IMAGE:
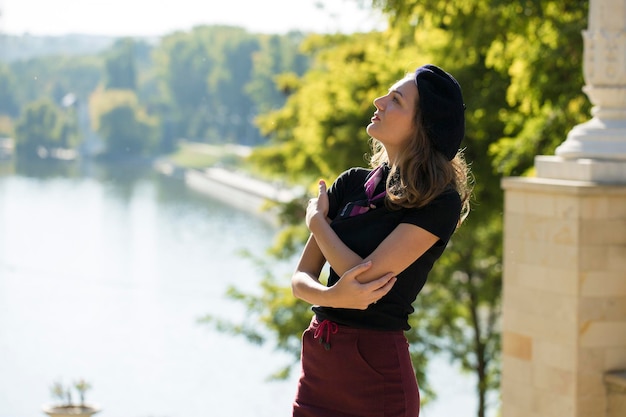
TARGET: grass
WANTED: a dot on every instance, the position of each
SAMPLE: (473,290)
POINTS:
(191,160)
(193,155)
(199,156)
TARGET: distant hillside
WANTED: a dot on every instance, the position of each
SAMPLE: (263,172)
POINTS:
(13,48)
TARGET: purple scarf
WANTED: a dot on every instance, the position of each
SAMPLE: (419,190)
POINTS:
(363,206)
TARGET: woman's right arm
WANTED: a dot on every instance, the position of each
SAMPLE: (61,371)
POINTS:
(348,292)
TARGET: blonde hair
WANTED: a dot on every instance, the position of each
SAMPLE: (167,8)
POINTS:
(421,172)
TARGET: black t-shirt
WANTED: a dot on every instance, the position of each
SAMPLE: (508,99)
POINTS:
(364,232)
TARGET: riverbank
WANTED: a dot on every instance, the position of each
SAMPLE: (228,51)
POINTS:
(235,188)
(213,170)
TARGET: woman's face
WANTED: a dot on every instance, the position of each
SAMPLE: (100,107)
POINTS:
(392,123)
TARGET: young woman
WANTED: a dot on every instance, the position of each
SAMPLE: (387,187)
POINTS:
(380,230)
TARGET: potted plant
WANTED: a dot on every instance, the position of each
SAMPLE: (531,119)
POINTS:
(68,408)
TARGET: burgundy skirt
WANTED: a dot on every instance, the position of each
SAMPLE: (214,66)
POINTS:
(348,372)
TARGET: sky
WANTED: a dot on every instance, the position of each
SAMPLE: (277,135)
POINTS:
(159,17)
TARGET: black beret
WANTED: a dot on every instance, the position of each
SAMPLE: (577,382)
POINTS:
(443,110)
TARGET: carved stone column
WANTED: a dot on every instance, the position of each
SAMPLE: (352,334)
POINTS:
(596,150)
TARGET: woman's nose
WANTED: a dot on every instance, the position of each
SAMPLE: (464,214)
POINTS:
(378,102)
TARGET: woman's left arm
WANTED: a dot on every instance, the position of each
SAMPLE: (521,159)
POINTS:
(395,253)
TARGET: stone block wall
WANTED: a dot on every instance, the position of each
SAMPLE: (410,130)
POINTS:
(564,296)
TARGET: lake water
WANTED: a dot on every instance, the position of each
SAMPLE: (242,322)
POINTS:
(103,276)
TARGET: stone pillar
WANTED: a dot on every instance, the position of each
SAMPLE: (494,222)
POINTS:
(564,296)
(596,150)
(564,289)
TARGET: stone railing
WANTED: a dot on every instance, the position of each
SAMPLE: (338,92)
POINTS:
(616,393)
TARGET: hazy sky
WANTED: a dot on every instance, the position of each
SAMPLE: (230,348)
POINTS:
(156,17)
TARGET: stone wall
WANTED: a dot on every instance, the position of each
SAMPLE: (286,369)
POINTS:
(564,296)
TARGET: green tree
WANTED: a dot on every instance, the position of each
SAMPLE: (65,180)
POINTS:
(126,128)
(278,54)
(205,72)
(70,134)
(38,129)
(521,61)
(520,67)
(216,79)
(8,95)
(120,66)
(321,129)
(234,110)
(55,77)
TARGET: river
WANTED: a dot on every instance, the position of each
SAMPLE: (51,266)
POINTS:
(104,273)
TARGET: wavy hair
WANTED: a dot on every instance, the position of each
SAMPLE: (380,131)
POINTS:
(421,172)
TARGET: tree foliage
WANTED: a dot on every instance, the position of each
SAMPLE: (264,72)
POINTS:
(519,64)
(120,67)
(207,84)
(8,93)
(216,78)
(321,129)
(520,67)
(205,72)
(127,130)
(54,77)
(39,128)
(278,57)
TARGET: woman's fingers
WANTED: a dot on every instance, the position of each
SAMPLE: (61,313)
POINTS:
(382,285)
(353,272)
(360,295)
(322,187)
(382,281)
(318,205)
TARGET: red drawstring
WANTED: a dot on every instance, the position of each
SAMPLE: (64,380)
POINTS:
(330,327)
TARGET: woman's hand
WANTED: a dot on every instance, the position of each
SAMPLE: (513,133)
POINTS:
(348,292)
(318,207)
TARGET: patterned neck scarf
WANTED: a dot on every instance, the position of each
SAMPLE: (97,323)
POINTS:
(362,206)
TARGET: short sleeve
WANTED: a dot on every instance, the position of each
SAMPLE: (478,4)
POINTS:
(440,217)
